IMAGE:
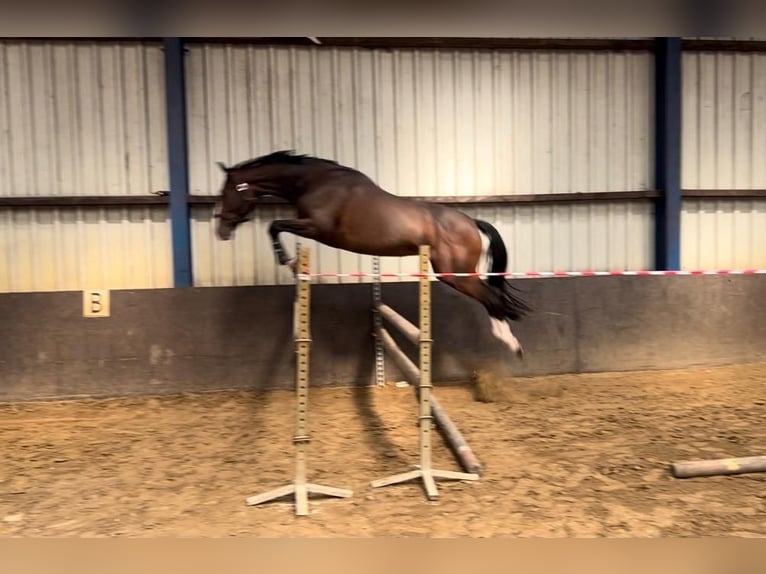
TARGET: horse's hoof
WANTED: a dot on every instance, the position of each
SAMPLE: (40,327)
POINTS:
(520,354)
(293,265)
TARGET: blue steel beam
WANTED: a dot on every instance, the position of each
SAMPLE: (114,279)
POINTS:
(668,153)
(178,160)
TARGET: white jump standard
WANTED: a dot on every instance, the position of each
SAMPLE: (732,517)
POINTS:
(420,377)
(302,332)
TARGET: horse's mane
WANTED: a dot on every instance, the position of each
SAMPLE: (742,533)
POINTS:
(283,156)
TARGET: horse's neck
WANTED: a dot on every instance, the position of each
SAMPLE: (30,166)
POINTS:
(287,185)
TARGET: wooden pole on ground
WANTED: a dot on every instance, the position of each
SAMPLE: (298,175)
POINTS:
(718,467)
(452,434)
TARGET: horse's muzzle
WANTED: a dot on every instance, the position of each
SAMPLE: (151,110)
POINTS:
(223,231)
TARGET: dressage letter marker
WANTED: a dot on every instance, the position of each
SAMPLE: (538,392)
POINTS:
(301,328)
(95,303)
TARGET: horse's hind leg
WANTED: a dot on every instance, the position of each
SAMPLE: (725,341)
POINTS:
(501,329)
(492,301)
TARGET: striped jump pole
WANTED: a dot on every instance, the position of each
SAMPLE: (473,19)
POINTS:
(376,274)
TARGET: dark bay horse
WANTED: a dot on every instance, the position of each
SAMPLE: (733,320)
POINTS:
(343,208)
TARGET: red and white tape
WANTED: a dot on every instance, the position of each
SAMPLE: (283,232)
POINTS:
(538,274)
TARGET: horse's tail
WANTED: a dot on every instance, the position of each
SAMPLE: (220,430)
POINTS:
(514,306)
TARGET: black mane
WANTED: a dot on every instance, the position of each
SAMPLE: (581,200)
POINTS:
(283,156)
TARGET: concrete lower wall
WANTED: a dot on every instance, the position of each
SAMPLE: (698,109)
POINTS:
(176,340)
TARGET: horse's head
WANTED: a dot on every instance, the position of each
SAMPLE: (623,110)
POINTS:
(235,203)
(282,174)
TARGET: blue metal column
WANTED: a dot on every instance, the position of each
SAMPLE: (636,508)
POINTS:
(668,153)
(175,109)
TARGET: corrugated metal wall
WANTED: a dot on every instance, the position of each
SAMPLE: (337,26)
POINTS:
(71,249)
(724,234)
(426,123)
(724,147)
(82,118)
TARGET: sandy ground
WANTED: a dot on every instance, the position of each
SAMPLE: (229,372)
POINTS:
(579,455)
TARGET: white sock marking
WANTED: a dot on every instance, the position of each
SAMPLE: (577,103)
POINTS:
(502,331)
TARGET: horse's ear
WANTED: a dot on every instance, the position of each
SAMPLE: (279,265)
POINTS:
(222,166)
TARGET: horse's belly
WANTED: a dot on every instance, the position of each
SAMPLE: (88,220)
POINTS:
(386,228)
(374,240)
(374,246)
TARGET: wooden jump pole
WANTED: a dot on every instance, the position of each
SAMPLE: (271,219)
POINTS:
(302,334)
(421,378)
(718,467)
(385,344)
(453,436)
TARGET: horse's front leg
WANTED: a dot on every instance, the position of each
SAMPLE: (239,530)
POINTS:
(301,227)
